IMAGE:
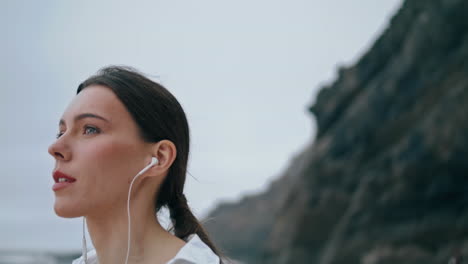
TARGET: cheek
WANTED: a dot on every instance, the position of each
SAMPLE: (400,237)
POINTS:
(110,165)
(106,155)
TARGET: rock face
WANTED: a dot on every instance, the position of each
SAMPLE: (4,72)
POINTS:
(386,179)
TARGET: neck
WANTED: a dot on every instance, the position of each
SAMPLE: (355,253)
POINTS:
(149,242)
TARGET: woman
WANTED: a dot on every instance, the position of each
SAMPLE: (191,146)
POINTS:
(118,123)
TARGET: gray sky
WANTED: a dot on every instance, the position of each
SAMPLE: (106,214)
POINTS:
(245,71)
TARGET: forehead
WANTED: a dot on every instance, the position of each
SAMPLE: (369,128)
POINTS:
(97,99)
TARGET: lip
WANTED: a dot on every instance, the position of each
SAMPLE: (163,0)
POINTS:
(58,174)
(60,185)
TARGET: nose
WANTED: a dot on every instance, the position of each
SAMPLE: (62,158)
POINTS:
(59,150)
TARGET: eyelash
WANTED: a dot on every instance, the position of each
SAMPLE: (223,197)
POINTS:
(85,128)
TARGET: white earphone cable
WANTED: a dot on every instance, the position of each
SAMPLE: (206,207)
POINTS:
(128,214)
(84,249)
(154,161)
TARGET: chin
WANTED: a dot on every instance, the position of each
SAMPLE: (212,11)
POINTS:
(65,210)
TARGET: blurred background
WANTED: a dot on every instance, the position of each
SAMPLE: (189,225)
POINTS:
(322,131)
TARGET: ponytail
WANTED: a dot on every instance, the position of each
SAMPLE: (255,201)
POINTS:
(185,223)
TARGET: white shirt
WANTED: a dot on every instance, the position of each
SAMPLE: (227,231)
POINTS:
(193,252)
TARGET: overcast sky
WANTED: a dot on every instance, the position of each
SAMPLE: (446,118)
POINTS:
(245,72)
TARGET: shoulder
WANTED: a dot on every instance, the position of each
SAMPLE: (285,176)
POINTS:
(195,252)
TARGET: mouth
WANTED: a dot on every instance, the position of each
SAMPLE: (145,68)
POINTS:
(61,180)
(62,177)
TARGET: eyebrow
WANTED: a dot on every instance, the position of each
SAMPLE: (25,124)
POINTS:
(84,115)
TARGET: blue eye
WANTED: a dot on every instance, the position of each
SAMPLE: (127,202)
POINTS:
(92,128)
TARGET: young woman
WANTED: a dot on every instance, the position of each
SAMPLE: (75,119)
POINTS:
(121,155)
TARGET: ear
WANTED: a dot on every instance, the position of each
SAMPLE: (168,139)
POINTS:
(165,151)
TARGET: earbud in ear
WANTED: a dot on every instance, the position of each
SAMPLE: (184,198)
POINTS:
(154,161)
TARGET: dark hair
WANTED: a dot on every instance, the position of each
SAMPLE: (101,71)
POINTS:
(159,116)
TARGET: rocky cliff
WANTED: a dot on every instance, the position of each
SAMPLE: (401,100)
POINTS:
(386,179)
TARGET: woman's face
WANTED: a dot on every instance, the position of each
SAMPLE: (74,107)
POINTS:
(102,153)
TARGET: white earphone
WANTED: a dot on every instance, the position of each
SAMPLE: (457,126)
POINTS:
(154,161)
